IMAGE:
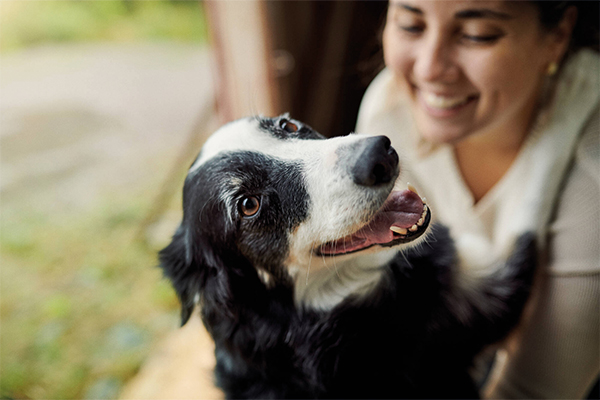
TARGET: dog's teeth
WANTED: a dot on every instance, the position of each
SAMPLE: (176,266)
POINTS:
(412,188)
(413,228)
(420,222)
(397,229)
(424,200)
(425,209)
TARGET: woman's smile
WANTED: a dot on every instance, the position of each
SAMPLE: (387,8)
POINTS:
(439,105)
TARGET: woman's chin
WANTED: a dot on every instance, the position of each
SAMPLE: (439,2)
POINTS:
(436,134)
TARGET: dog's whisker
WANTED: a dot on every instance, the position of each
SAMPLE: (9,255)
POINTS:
(323,258)
(309,262)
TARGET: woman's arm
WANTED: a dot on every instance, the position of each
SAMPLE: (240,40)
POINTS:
(555,354)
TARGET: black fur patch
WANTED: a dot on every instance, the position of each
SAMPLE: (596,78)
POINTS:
(213,231)
(231,177)
(414,336)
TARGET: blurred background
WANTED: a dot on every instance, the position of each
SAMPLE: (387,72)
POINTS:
(103,106)
(96,99)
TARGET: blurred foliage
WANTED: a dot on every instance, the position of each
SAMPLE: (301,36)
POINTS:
(28,23)
(81,304)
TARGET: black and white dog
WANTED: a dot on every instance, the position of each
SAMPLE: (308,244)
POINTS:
(302,257)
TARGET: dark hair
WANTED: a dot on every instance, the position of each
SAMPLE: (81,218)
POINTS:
(585,32)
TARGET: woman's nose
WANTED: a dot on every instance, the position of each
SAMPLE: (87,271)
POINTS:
(434,60)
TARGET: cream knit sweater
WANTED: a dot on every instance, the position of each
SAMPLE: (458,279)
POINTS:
(553,189)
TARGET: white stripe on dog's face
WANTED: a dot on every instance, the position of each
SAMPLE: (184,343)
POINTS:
(247,135)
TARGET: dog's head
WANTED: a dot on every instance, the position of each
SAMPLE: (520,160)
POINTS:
(274,196)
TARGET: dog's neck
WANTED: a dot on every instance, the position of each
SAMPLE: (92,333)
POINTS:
(327,287)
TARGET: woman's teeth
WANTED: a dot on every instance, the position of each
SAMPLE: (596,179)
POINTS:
(443,102)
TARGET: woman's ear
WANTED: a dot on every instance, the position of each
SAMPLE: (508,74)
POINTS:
(561,34)
(183,270)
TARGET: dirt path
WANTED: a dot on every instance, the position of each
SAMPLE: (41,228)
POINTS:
(79,120)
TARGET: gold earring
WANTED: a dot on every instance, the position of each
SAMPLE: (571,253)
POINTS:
(552,68)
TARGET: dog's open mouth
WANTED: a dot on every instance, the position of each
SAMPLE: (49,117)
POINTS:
(403,217)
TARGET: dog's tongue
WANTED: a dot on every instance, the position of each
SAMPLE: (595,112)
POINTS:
(403,208)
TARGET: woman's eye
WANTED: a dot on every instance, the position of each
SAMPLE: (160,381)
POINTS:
(288,126)
(412,29)
(249,206)
(483,39)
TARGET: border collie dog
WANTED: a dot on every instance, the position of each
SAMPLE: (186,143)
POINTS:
(301,253)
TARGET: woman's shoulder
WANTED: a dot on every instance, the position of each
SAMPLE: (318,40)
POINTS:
(570,122)
(578,82)
(586,158)
(575,230)
(587,153)
(583,99)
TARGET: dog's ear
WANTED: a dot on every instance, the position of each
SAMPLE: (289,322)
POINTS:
(178,263)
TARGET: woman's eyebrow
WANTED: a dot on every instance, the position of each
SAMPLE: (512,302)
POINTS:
(474,13)
(407,8)
(481,13)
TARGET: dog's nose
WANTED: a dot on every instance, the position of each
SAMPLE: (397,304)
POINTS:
(377,162)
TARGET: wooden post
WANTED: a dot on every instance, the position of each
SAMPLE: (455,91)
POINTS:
(311,58)
(245,79)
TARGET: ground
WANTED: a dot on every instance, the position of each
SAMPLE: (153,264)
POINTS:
(89,134)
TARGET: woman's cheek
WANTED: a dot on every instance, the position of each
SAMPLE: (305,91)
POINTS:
(482,68)
(389,51)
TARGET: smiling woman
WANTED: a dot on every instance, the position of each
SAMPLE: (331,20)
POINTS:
(495,107)
(471,72)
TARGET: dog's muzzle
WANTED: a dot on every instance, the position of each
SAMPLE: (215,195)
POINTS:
(402,217)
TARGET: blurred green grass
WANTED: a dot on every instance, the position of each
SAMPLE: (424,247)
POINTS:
(28,23)
(81,303)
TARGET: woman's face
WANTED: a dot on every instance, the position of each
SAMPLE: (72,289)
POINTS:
(469,66)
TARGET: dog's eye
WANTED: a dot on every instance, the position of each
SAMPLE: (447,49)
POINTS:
(249,206)
(288,126)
